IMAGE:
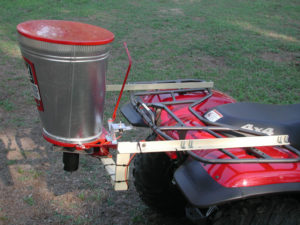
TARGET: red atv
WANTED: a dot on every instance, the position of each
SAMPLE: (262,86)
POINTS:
(250,185)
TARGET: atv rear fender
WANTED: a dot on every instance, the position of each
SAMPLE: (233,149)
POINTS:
(202,191)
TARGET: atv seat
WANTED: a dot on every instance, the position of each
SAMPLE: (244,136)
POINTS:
(264,118)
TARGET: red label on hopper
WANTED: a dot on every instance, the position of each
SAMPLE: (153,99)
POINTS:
(34,84)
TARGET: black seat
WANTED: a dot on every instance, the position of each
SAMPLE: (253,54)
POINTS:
(269,119)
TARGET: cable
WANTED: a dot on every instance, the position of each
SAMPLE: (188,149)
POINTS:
(126,170)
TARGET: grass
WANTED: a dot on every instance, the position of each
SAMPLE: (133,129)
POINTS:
(97,195)
(29,200)
(137,215)
(35,173)
(7,105)
(3,218)
(81,196)
(17,122)
(214,40)
(62,219)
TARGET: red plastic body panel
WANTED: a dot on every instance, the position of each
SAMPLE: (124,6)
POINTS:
(228,175)
(65,32)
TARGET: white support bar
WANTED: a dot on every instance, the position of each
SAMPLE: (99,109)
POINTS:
(117,170)
(201,144)
(110,167)
(121,180)
(155,86)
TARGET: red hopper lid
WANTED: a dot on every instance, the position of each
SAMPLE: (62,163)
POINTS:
(65,32)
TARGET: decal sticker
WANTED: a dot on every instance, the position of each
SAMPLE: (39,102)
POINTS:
(34,84)
(36,93)
(213,115)
(269,131)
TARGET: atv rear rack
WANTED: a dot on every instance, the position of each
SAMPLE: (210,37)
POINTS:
(148,113)
(240,138)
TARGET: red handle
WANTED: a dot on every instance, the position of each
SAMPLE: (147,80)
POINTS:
(125,79)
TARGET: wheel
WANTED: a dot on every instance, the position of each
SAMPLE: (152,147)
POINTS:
(276,210)
(153,175)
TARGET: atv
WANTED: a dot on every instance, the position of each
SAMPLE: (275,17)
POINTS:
(250,185)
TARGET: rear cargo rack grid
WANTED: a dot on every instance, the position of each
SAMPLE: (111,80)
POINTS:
(147,112)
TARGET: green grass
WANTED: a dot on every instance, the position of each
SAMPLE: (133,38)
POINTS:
(29,200)
(63,218)
(17,122)
(224,41)
(81,196)
(6,105)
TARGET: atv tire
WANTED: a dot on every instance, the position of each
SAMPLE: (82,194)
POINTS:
(276,210)
(153,175)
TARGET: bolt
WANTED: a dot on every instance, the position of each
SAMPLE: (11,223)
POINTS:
(279,140)
(182,144)
(286,138)
(190,144)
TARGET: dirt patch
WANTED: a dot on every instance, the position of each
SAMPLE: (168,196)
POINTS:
(283,57)
(200,19)
(172,12)
(207,63)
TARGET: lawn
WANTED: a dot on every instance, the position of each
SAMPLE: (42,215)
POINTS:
(250,49)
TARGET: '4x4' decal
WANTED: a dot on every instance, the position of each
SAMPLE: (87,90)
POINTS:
(268,131)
